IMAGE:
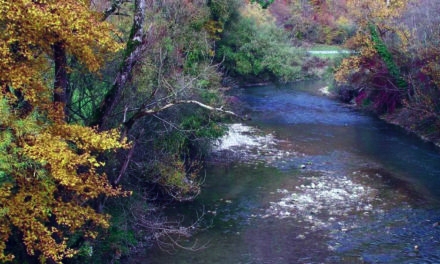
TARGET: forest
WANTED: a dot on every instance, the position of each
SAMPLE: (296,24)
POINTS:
(111,110)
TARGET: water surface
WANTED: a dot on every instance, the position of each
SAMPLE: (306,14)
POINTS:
(310,180)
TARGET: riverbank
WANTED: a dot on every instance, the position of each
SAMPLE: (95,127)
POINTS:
(402,117)
(409,121)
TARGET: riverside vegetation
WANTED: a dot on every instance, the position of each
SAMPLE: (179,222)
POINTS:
(108,108)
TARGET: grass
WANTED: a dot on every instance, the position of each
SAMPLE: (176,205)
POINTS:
(322,47)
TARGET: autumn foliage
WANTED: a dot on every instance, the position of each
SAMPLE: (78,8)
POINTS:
(60,63)
(49,170)
(374,68)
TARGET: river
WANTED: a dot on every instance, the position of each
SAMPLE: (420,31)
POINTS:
(310,180)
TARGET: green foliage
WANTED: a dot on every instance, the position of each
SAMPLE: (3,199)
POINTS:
(223,10)
(259,51)
(115,242)
(203,127)
(264,3)
(10,152)
(387,57)
(193,59)
(87,93)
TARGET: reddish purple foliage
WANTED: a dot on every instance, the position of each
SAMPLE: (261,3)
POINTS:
(386,101)
(360,98)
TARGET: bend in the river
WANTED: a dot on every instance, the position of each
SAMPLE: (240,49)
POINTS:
(310,180)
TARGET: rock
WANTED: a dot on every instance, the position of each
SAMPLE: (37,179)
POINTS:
(302,166)
(436,224)
(300,237)
(325,91)
(313,186)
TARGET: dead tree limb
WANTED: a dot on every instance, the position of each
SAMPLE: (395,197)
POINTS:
(128,159)
(147,112)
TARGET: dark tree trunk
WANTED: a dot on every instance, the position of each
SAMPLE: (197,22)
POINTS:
(61,84)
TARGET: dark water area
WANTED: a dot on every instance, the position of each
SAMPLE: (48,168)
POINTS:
(310,180)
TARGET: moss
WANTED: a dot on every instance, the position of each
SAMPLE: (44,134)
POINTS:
(387,57)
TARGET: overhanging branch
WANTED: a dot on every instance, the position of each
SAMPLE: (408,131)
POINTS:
(179,102)
(147,112)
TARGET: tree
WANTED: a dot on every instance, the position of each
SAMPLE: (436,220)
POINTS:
(374,69)
(254,48)
(264,3)
(50,170)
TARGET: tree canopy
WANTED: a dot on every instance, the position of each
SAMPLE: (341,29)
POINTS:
(49,169)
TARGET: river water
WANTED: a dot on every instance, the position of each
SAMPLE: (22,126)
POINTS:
(309,180)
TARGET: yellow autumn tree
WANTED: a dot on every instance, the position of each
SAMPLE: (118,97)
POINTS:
(373,17)
(49,169)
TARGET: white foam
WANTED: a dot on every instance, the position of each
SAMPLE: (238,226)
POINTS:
(323,200)
(249,145)
(240,135)
(325,90)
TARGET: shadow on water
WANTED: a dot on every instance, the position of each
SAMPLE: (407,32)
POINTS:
(334,185)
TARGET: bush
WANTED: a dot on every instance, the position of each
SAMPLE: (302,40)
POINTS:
(258,51)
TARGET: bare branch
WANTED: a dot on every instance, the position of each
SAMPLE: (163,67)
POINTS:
(179,102)
(167,234)
(115,6)
(148,112)
(128,159)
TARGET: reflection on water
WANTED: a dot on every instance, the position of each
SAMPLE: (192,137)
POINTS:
(309,180)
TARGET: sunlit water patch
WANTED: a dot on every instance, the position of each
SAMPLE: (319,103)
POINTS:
(241,136)
(248,144)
